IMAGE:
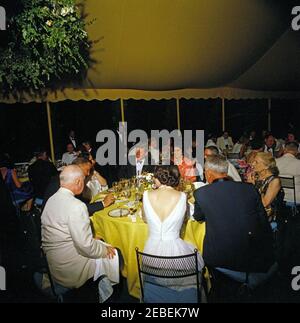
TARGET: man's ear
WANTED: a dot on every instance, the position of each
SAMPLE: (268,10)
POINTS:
(208,174)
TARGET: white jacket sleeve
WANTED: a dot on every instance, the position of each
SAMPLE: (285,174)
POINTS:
(233,173)
(81,233)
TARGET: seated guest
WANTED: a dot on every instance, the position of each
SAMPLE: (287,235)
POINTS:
(40,173)
(266,180)
(70,155)
(88,148)
(288,166)
(165,210)
(191,156)
(232,172)
(139,162)
(154,150)
(292,138)
(225,142)
(252,136)
(231,211)
(212,140)
(186,166)
(241,147)
(74,256)
(86,166)
(272,146)
(255,147)
(94,182)
(167,152)
(72,138)
(21,193)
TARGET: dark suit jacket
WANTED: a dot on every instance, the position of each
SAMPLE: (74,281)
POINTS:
(40,173)
(231,211)
(53,187)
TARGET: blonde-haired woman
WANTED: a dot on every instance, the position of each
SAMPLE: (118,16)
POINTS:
(265,178)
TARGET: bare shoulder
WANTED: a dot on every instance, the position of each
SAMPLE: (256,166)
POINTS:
(275,182)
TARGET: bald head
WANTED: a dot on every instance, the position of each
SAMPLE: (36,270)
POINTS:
(72,178)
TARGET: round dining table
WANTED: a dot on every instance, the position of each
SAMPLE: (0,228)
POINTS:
(126,235)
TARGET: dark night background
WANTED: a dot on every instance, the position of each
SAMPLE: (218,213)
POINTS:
(24,127)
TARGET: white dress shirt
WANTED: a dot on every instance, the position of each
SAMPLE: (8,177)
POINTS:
(233,173)
(139,166)
(67,158)
(269,150)
(73,141)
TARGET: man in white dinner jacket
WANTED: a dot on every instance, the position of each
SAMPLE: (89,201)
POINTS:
(225,142)
(288,166)
(74,256)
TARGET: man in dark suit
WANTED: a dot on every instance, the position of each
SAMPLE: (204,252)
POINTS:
(139,161)
(238,235)
(40,173)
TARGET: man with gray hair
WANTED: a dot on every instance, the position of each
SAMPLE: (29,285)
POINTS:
(232,172)
(232,210)
(74,256)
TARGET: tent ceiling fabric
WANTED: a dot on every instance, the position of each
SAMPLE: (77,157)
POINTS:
(157,49)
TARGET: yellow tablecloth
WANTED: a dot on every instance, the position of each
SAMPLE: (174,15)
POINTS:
(23,179)
(126,235)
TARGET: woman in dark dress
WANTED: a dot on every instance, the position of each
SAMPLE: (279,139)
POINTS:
(265,178)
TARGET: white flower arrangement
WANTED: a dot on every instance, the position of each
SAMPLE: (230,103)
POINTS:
(66,10)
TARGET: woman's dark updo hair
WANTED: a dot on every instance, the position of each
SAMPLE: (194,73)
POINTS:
(167,175)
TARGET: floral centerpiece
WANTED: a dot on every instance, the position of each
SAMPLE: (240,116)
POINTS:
(147,180)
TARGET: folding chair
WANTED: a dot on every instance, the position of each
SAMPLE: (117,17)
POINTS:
(246,281)
(289,184)
(169,279)
(56,291)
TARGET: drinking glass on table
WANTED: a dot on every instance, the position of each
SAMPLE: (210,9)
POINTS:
(138,196)
(127,193)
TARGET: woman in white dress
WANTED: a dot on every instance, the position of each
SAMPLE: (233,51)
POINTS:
(164,210)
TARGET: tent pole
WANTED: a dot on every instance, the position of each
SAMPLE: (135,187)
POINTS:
(223,114)
(178,113)
(122,111)
(50,131)
(269,114)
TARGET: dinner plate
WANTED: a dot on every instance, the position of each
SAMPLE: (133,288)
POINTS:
(116,213)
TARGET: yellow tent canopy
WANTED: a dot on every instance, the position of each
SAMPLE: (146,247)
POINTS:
(162,49)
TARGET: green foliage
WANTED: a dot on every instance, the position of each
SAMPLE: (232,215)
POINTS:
(47,43)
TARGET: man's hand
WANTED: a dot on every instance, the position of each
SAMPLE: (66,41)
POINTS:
(111,252)
(108,200)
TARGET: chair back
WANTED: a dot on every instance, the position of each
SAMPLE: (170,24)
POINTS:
(176,278)
(289,183)
(233,156)
(56,291)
